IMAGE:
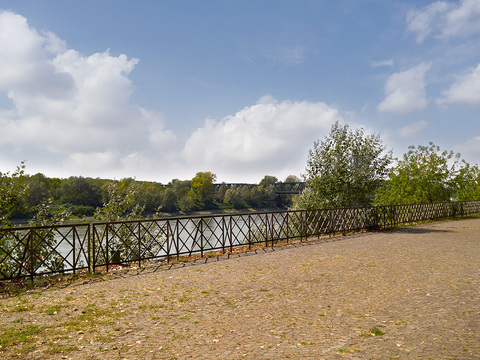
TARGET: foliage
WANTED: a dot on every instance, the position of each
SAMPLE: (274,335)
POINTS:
(344,169)
(467,183)
(234,197)
(119,204)
(268,180)
(35,250)
(44,240)
(13,188)
(82,197)
(426,174)
(169,201)
(149,195)
(39,190)
(202,189)
(292,178)
(119,207)
(79,191)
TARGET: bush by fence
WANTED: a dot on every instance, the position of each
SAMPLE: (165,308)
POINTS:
(36,251)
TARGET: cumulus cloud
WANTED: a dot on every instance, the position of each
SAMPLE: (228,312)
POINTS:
(71,105)
(470,150)
(269,136)
(445,20)
(413,129)
(405,91)
(466,89)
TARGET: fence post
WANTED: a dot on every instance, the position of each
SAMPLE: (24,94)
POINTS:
(266,230)
(90,250)
(230,234)
(201,237)
(249,233)
(139,245)
(74,262)
(31,256)
(107,256)
(287,230)
(168,241)
(177,243)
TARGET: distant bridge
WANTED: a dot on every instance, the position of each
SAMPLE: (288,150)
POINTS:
(281,188)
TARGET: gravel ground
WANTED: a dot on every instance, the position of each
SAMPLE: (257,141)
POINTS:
(410,293)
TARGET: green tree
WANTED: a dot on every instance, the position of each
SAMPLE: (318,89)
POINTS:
(120,204)
(468,183)
(426,174)
(79,191)
(39,190)
(13,189)
(344,169)
(292,178)
(169,201)
(268,180)
(149,195)
(202,189)
(234,197)
(220,193)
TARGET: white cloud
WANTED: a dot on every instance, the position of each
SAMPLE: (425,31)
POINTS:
(71,105)
(424,21)
(405,91)
(413,129)
(381,63)
(445,20)
(466,89)
(470,150)
(270,136)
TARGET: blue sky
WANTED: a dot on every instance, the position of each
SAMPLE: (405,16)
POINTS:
(163,89)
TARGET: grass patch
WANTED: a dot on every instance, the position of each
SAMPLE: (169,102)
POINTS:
(61,349)
(12,336)
(20,308)
(305,343)
(374,331)
(53,310)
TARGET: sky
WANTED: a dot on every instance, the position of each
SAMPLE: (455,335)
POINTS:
(160,90)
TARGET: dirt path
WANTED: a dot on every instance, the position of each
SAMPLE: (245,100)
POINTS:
(403,294)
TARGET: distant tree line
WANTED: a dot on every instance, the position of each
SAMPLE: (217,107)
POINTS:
(85,197)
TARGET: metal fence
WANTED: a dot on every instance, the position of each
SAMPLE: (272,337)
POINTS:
(26,252)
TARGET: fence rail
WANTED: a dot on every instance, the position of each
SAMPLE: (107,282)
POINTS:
(27,252)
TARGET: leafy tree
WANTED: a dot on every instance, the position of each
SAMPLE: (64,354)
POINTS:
(13,188)
(255,196)
(235,197)
(220,193)
(426,174)
(149,195)
(268,180)
(187,203)
(120,204)
(169,201)
(202,189)
(39,190)
(79,191)
(292,178)
(468,183)
(344,169)
(43,239)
